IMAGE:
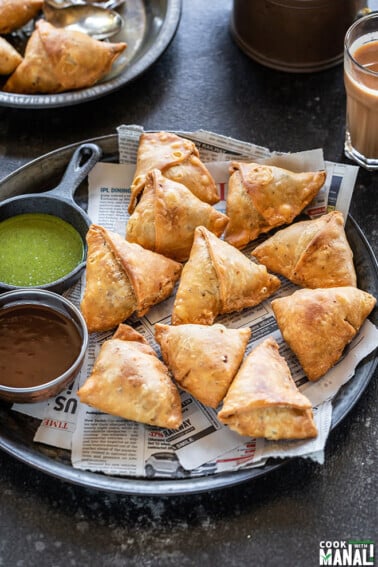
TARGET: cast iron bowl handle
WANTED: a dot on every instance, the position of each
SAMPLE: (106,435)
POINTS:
(82,161)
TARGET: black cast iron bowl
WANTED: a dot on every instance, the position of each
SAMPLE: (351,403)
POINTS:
(59,202)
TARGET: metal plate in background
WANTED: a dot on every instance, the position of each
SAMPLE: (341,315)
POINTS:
(17,430)
(150,26)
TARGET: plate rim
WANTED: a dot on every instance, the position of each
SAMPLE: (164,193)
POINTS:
(166,487)
(132,71)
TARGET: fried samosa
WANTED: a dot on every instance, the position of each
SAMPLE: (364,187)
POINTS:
(203,359)
(16,13)
(178,159)
(317,324)
(9,57)
(217,279)
(263,400)
(122,278)
(262,197)
(166,216)
(59,60)
(128,380)
(312,254)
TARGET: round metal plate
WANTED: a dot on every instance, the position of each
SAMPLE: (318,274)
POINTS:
(149,28)
(17,430)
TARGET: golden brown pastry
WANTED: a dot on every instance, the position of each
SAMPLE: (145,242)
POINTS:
(128,380)
(203,359)
(166,216)
(16,13)
(121,278)
(9,57)
(262,197)
(178,159)
(217,279)
(58,60)
(263,400)
(317,324)
(313,253)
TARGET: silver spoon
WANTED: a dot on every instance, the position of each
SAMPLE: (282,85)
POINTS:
(109,4)
(100,23)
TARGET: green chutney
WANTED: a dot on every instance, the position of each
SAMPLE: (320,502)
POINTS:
(37,249)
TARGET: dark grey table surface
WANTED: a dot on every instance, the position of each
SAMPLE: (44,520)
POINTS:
(202,81)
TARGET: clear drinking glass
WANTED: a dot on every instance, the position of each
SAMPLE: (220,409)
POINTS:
(361,85)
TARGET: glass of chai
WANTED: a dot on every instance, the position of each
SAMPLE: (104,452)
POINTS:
(361,85)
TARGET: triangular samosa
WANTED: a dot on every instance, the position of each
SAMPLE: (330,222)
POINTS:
(9,57)
(121,278)
(217,279)
(313,253)
(262,197)
(317,324)
(263,400)
(178,159)
(128,380)
(166,216)
(203,359)
(58,60)
(14,14)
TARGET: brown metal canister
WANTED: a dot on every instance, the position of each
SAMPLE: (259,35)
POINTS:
(293,35)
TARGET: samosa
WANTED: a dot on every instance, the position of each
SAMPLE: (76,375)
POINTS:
(263,400)
(203,358)
(313,253)
(58,60)
(128,380)
(166,216)
(178,159)
(263,197)
(318,324)
(122,278)
(217,279)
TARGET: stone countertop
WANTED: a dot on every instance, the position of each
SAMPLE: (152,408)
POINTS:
(204,81)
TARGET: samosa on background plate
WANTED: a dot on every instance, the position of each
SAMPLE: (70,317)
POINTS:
(166,216)
(178,159)
(9,57)
(313,253)
(122,278)
(128,380)
(58,60)
(14,14)
(263,197)
(218,279)
(203,359)
(263,400)
(318,324)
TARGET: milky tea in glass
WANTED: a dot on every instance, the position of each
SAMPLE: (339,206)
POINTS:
(361,85)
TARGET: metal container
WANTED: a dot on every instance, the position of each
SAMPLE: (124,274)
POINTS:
(293,35)
(61,305)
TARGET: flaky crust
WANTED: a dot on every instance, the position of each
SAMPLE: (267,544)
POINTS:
(203,359)
(318,324)
(217,279)
(263,400)
(312,254)
(128,380)
(15,14)
(262,197)
(166,216)
(9,57)
(122,278)
(108,297)
(178,159)
(58,60)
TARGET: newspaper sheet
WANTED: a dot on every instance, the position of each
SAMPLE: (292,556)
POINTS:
(202,445)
